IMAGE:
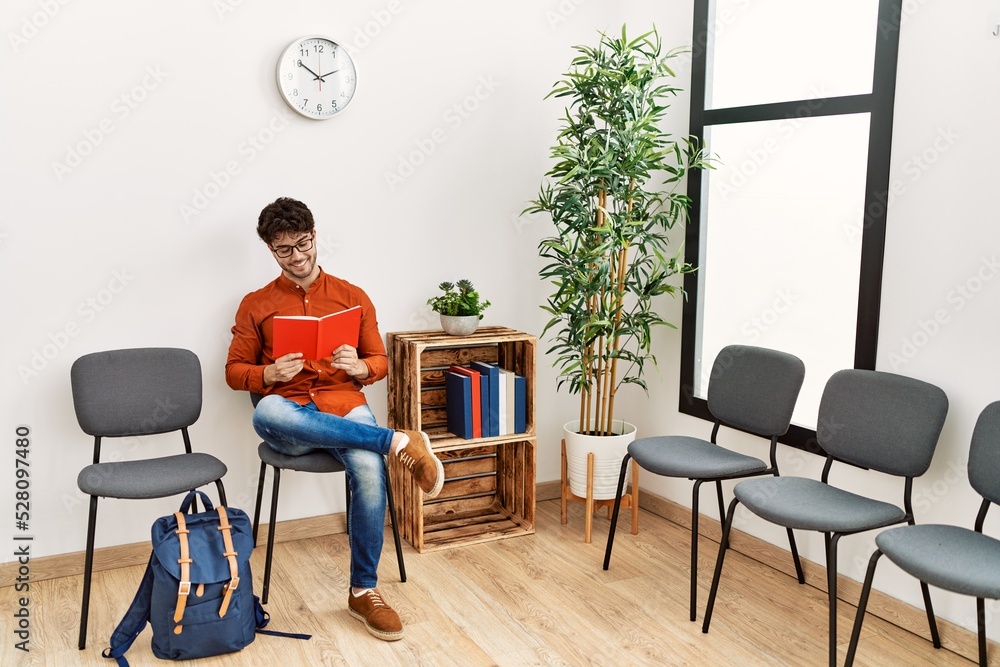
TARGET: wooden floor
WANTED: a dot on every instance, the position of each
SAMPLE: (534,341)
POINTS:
(533,600)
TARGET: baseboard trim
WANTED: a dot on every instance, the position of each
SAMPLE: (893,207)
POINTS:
(912,619)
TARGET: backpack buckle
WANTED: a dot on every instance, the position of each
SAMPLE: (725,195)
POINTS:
(233,583)
(184,588)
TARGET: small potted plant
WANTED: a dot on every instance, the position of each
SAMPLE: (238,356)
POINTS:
(460,307)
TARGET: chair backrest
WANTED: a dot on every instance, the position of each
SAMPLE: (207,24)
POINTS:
(984,454)
(754,388)
(883,421)
(138,391)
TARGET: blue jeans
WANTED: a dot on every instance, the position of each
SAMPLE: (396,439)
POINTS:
(356,441)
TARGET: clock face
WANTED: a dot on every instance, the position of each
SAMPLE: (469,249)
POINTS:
(316,76)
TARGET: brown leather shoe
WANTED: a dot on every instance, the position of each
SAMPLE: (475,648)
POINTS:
(379,618)
(418,458)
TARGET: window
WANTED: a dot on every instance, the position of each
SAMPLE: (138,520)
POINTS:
(796,100)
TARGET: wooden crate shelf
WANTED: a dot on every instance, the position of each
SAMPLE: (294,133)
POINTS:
(489,490)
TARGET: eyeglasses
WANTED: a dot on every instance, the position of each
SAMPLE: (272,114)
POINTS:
(283,251)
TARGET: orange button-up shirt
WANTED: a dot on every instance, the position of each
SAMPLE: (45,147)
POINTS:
(331,389)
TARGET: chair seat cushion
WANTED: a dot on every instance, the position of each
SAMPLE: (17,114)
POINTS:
(950,557)
(311,462)
(150,478)
(808,504)
(694,458)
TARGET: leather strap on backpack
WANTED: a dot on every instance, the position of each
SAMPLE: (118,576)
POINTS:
(184,589)
(230,554)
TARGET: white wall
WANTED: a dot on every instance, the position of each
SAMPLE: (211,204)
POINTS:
(162,99)
(141,141)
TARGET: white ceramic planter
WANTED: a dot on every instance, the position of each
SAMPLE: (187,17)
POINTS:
(608,450)
(459,325)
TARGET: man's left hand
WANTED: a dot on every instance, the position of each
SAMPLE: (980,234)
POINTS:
(345,358)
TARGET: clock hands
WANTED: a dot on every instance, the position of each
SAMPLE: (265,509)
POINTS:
(317,76)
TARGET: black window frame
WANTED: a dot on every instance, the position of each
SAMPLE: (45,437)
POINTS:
(879,103)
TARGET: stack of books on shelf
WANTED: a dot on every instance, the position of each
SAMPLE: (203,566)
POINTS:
(485,401)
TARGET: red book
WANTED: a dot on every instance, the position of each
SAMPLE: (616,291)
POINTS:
(477,410)
(316,337)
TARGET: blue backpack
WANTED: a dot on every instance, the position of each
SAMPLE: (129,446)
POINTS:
(197,591)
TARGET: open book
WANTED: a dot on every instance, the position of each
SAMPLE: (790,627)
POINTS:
(316,337)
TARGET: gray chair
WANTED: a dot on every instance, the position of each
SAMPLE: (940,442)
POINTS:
(317,462)
(131,393)
(751,389)
(950,557)
(870,419)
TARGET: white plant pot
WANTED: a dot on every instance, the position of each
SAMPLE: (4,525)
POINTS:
(459,325)
(608,450)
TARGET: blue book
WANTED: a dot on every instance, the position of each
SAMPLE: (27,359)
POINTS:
(520,404)
(491,415)
(458,404)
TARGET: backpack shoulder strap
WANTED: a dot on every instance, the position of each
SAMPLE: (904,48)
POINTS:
(230,553)
(134,621)
(184,589)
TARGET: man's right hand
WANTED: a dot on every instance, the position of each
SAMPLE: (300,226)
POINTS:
(283,369)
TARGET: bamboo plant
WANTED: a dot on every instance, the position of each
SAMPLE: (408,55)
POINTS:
(611,198)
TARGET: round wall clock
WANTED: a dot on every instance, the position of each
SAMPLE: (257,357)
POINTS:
(316,76)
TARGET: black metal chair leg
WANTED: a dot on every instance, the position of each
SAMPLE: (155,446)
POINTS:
(722,506)
(260,495)
(270,536)
(931,621)
(347,503)
(859,620)
(718,564)
(222,492)
(614,514)
(88,571)
(795,556)
(694,549)
(831,582)
(395,528)
(980,629)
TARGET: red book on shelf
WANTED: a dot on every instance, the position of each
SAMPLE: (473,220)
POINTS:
(316,337)
(477,410)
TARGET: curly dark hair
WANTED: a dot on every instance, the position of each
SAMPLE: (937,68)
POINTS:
(283,215)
